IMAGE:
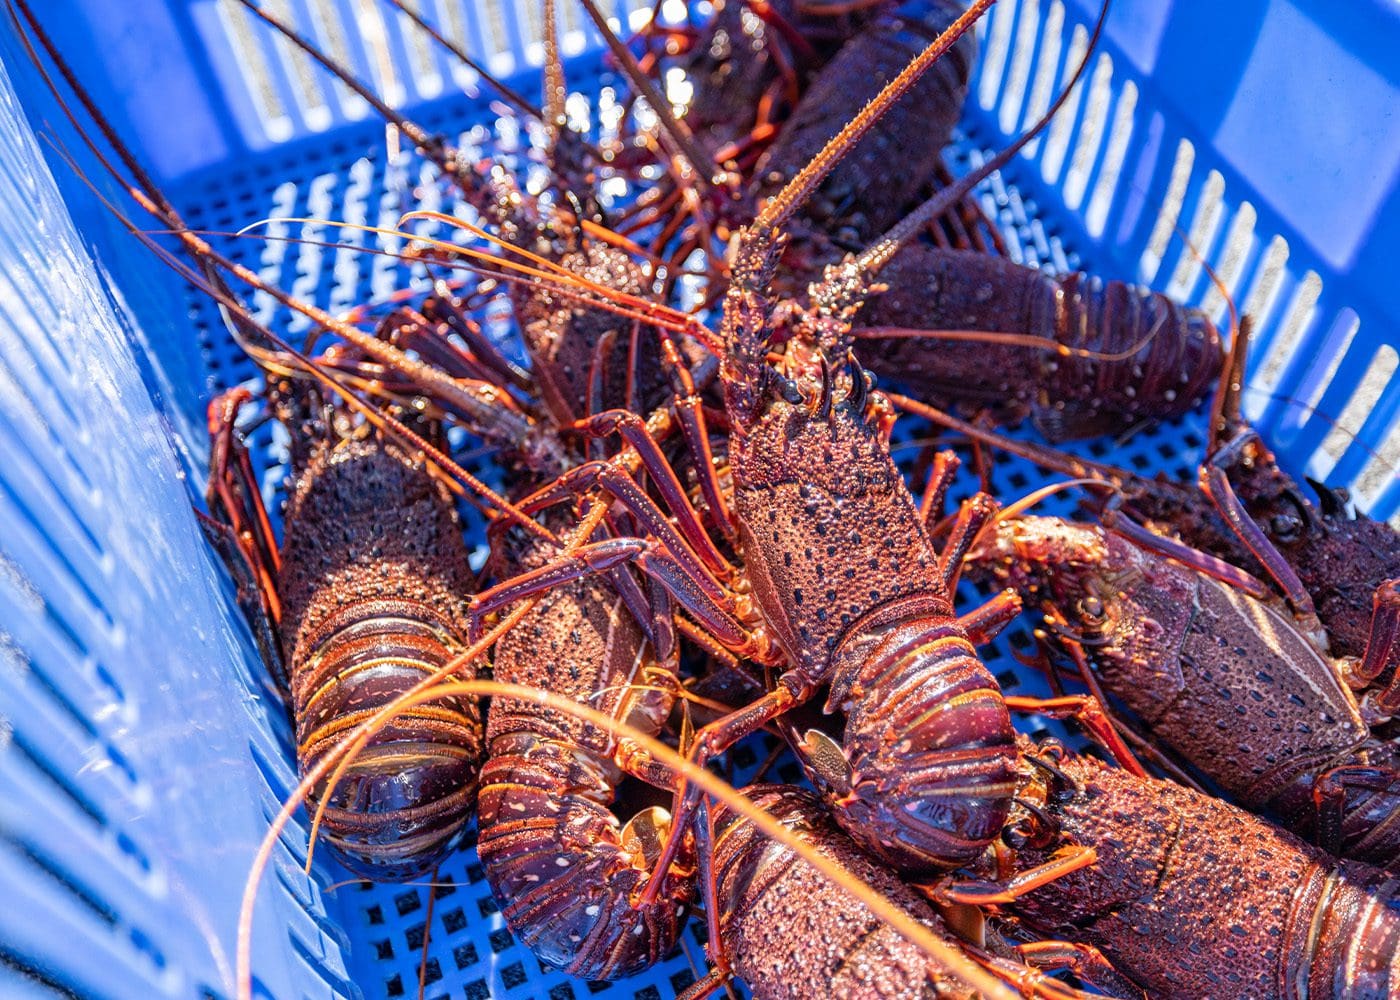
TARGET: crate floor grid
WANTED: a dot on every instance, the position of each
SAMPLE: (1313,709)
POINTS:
(1124,178)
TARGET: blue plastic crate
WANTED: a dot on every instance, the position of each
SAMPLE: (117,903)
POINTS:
(141,750)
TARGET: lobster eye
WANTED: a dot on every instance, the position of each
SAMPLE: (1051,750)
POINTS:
(1091,608)
(1285,527)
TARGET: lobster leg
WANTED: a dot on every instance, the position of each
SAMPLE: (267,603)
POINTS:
(239,527)
(672,549)
(1113,519)
(940,479)
(634,431)
(721,970)
(692,594)
(1215,484)
(980,893)
(973,515)
(973,221)
(690,414)
(441,308)
(1084,960)
(1088,711)
(983,623)
(1331,792)
(711,740)
(409,329)
(251,596)
(602,354)
(1382,647)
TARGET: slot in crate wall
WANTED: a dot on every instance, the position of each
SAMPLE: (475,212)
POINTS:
(139,731)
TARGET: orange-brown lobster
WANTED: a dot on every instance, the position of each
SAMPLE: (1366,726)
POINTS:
(368,593)
(1192,897)
(839,583)
(1221,677)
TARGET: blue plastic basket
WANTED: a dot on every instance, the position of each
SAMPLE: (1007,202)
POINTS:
(141,747)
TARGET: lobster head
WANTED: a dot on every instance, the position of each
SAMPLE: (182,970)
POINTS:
(1100,589)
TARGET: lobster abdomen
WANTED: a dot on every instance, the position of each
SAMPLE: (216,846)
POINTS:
(374,581)
(930,745)
(1174,355)
(567,871)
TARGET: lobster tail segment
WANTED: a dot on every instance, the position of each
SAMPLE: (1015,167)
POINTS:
(400,805)
(375,580)
(571,873)
(931,751)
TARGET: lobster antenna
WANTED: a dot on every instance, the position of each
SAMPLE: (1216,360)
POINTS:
(1225,403)
(555,92)
(155,203)
(879,253)
(562,281)
(1009,339)
(238,316)
(702,164)
(510,95)
(128,159)
(1045,457)
(781,206)
(432,146)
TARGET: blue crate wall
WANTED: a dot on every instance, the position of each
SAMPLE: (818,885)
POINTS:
(1087,195)
(139,753)
(1265,131)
